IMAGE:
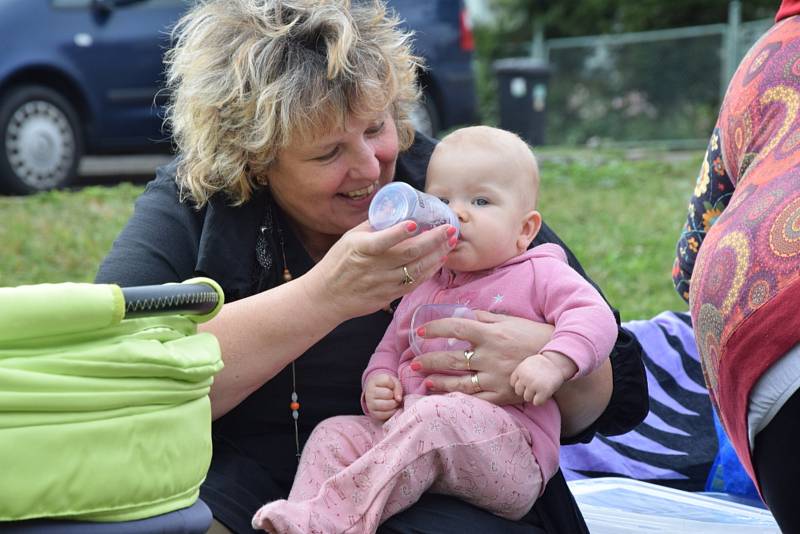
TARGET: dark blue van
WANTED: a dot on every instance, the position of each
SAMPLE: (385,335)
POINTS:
(83,76)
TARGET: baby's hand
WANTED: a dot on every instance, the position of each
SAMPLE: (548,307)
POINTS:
(383,395)
(537,377)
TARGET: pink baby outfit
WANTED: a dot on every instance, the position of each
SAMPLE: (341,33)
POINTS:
(356,472)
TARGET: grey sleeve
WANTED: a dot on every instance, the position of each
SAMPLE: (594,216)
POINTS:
(159,243)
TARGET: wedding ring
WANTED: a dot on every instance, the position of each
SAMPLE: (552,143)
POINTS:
(407,278)
(476,383)
(468,354)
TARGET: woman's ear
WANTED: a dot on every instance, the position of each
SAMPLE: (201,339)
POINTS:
(531,224)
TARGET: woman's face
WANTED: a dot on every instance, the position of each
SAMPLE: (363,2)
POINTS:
(325,184)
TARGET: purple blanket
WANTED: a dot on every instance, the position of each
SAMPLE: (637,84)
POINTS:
(676,444)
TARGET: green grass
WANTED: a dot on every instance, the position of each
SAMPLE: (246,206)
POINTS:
(620,216)
(60,236)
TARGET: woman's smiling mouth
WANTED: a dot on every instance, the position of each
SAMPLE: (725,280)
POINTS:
(362,193)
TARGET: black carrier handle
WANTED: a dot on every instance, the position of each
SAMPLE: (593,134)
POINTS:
(184,299)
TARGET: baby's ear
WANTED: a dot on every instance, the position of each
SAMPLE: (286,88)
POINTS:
(531,224)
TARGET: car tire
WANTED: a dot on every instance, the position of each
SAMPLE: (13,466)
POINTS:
(425,116)
(41,140)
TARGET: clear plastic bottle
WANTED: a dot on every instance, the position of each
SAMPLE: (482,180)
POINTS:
(431,312)
(399,201)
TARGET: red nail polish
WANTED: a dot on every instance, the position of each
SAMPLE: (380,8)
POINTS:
(429,384)
(421,331)
(452,241)
(411,226)
(416,366)
(451,231)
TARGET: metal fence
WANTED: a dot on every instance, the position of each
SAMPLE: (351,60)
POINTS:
(660,87)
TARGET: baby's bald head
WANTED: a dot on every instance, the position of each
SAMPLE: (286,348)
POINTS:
(507,151)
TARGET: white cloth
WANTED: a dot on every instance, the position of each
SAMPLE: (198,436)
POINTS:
(771,392)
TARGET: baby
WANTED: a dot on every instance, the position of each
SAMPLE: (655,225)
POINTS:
(357,471)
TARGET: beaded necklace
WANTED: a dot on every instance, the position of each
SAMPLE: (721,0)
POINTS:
(265,259)
(294,405)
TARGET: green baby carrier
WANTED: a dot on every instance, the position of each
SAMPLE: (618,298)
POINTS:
(104,409)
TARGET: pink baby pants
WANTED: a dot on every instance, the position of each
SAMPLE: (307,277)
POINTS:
(356,472)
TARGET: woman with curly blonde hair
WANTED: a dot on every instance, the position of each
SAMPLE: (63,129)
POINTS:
(288,116)
(229,132)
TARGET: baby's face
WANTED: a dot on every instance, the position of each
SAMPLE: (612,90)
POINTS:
(490,199)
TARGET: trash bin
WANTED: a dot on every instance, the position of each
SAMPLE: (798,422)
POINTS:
(522,84)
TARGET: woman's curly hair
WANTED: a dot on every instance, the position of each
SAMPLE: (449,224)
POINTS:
(247,77)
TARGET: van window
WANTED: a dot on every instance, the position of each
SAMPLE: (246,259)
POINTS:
(77,4)
(67,4)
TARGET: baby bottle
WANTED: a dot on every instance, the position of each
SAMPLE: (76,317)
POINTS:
(399,201)
(431,312)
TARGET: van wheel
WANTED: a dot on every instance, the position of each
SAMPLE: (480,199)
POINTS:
(425,117)
(41,140)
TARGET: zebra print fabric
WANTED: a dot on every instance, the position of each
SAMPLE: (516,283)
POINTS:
(676,443)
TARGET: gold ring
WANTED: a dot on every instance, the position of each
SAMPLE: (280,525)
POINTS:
(476,383)
(468,354)
(407,278)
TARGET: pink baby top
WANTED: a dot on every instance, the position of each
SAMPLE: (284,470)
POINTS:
(537,285)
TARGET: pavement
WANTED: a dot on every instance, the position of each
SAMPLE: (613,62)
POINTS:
(110,170)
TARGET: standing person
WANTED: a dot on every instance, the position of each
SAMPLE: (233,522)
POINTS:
(288,115)
(357,471)
(743,285)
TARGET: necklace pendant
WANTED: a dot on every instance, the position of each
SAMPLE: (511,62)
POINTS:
(287,276)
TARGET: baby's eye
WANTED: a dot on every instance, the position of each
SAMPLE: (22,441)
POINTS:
(446,201)
(481,201)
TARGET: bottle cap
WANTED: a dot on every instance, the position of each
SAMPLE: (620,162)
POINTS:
(391,205)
